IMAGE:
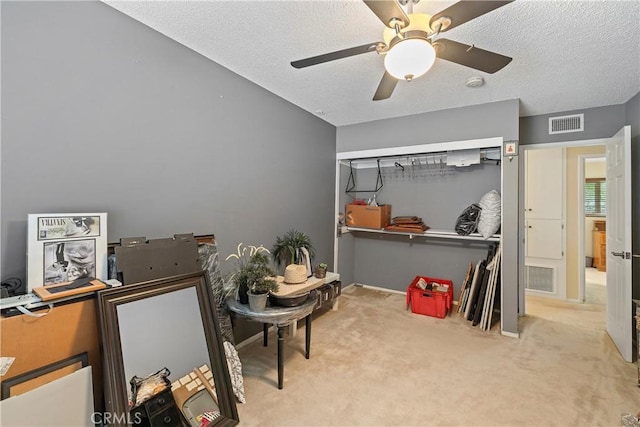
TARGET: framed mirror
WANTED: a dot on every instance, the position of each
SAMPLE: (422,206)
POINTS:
(165,323)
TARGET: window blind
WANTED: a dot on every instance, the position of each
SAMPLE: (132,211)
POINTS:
(595,196)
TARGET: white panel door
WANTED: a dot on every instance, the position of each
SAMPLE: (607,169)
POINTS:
(619,307)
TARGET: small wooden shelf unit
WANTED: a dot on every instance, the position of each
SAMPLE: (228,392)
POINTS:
(600,245)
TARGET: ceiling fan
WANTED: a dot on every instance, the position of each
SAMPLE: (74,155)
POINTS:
(411,43)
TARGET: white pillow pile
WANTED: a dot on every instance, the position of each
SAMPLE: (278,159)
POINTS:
(489,222)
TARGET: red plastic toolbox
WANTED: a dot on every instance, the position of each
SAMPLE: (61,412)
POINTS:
(433,303)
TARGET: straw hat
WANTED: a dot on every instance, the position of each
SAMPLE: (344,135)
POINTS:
(295,273)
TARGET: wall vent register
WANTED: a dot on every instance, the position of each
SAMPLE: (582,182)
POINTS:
(566,124)
(539,278)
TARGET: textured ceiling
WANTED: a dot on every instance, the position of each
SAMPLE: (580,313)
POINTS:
(566,54)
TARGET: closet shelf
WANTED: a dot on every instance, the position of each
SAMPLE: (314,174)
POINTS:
(435,234)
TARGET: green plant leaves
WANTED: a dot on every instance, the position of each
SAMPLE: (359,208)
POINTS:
(287,247)
(253,269)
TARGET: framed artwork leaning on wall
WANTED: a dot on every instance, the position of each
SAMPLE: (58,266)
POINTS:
(63,247)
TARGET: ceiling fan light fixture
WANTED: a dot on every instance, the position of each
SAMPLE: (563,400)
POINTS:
(409,58)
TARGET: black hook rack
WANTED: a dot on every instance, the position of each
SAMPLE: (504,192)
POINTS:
(351,181)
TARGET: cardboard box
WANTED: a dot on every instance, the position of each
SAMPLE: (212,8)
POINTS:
(367,216)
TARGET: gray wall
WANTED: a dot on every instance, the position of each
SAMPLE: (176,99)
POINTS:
(457,124)
(402,261)
(101,113)
(599,122)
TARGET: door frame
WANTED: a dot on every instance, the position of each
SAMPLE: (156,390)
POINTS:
(521,203)
(582,284)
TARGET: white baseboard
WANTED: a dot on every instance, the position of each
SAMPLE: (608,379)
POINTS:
(392,291)
(510,334)
(376,288)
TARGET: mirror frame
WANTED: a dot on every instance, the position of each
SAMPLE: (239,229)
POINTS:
(115,384)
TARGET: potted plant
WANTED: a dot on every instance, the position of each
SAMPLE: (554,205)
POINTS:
(262,283)
(288,248)
(253,273)
(321,270)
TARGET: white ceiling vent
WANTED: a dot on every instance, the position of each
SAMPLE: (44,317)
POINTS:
(566,124)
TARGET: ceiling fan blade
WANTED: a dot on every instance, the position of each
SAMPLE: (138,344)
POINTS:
(388,11)
(465,11)
(386,87)
(332,56)
(470,56)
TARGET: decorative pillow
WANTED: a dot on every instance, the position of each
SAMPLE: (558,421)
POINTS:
(489,222)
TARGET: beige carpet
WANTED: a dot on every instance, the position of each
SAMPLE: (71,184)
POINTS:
(595,286)
(375,364)
(593,275)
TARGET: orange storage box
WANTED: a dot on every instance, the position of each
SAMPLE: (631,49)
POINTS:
(433,303)
(366,216)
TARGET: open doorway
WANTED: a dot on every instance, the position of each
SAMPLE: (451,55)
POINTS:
(615,315)
(577,288)
(592,174)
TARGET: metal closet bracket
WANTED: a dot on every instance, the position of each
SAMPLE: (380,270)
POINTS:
(351,181)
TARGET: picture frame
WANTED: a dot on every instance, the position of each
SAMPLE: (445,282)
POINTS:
(147,325)
(37,377)
(63,247)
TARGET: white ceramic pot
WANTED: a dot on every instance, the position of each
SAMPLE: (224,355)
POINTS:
(257,302)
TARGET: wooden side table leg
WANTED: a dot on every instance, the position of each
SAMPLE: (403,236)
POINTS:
(265,334)
(280,361)
(307,335)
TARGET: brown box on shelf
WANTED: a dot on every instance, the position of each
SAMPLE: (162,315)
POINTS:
(367,216)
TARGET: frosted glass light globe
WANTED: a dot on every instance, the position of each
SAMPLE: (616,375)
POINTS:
(409,59)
